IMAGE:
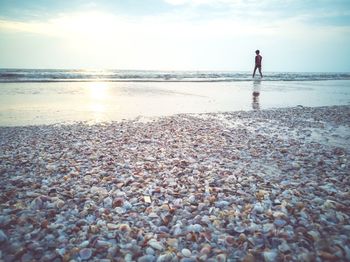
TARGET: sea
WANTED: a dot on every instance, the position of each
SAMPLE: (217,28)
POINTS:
(57,96)
(79,75)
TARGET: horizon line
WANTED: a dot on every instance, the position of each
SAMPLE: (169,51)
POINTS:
(164,70)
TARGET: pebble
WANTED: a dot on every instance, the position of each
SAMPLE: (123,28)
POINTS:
(263,185)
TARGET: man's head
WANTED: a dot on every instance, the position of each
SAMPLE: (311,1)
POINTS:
(257,52)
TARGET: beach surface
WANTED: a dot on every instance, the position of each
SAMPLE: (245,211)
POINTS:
(262,185)
(96,102)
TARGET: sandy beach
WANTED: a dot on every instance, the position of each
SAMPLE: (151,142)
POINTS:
(269,185)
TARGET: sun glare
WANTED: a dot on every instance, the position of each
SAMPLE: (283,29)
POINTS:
(98,91)
(92,23)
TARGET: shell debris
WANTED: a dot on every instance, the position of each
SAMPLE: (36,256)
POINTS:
(268,185)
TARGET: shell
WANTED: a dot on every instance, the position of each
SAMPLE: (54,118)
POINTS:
(186,252)
(85,253)
(155,244)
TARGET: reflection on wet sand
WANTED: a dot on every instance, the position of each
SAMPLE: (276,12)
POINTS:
(98,93)
(256,94)
(56,102)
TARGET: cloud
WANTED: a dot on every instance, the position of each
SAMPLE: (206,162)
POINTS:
(17,26)
(323,12)
(69,24)
(203,2)
(177,2)
(228,18)
(235,16)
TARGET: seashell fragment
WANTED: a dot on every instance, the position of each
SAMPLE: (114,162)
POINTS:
(98,190)
(268,227)
(146,258)
(85,253)
(155,244)
(124,227)
(3,237)
(117,202)
(107,202)
(221,258)
(258,208)
(195,228)
(270,256)
(186,252)
(147,199)
(205,249)
(280,222)
(168,257)
(112,226)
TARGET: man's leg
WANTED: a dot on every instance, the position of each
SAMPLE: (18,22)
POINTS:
(254,71)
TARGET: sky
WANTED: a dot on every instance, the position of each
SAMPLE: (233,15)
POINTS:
(292,35)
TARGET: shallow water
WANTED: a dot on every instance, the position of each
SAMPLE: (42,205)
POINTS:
(48,103)
(81,75)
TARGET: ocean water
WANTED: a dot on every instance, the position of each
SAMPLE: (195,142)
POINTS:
(55,75)
(33,97)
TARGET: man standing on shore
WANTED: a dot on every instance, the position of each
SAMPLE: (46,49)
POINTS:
(258,59)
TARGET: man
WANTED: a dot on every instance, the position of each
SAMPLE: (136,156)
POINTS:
(258,59)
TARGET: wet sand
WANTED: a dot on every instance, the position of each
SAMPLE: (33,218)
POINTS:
(270,185)
(95,102)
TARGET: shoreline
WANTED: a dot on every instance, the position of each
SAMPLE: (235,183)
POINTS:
(168,81)
(216,116)
(256,185)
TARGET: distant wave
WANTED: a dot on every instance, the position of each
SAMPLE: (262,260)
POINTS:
(52,75)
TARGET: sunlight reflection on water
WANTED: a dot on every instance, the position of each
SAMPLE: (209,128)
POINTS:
(98,93)
(98,90)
